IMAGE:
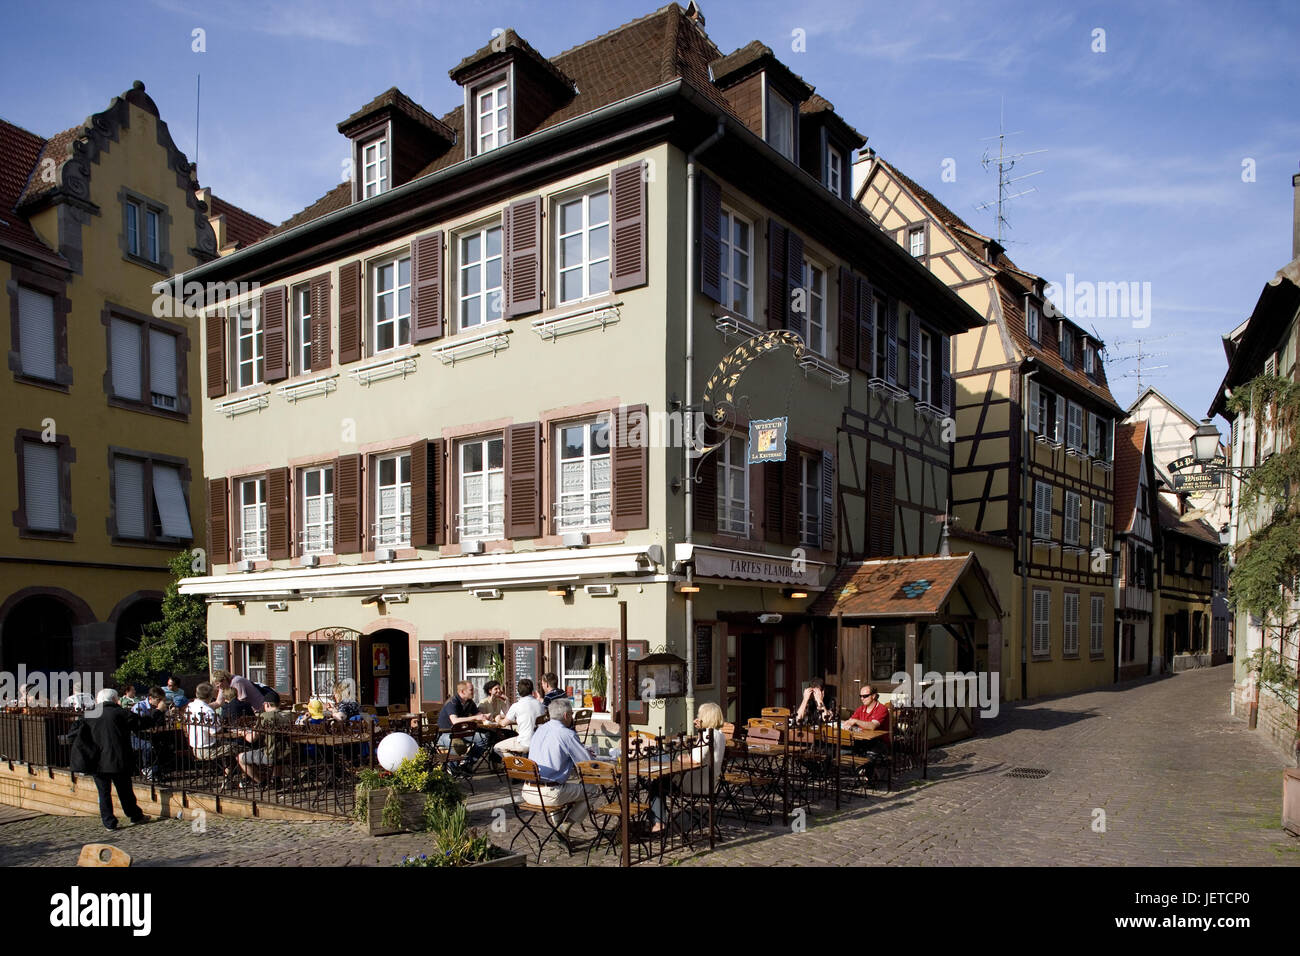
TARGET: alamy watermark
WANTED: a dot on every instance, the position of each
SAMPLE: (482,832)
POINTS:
(51,689)
(950,689)
(197,296)
(1084,299)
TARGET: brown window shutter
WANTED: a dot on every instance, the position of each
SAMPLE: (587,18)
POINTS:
(215,336)
(426,287)
(777,300)
(523,480)
(419,494)
(321,326)
(347,504)
(791,506)
(350,313)
(218,521)
(880,516)
(709,229)
(277,513)
(630,469)
(945,372)
(435,482)
(705,489)
(828,501)
(891,341)
(772,504)
(275,329)
(627,190)
(793,280)
(914,359)
(866,328)
(522,241)
(848,319)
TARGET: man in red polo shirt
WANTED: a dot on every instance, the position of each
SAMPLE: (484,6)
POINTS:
(872,715)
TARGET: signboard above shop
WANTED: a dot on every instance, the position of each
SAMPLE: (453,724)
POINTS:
(752,566)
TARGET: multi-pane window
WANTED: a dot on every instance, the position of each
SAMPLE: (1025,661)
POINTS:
(255,663)
(302,329)
(252,519)
(374,167)
(1096,623)
(482,489)
(131,378)
(780,124)
(250,354)
(1031,321)
(834,168)
(37,342)
(322,671)
(1042,510)
(142,233)
(1071,623)
(1067,345)
(149,501)
(737,268)
(814,285)
(1098,524)
(733,488)
(1100,444)
(916,242)
(317,515)
(927,368)
(576,661)
(41,486)
(1073,504)
(583,243)
(393,501)
(810,500)
(583,467)
(1089,359)
(392,305)
(476,664)
(1074,426)
(492,113)
(479,288)
(1046,415)
(1042,642)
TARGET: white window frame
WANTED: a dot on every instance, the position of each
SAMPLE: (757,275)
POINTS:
(143,228)
(301,334)
(580,680)
(393,526)
(925,364)
(324,673)
(1072,518)
(252,519)
(1042,627)
(257,673)
(374,159)
(479,675)
(395,292)
(834,168)
(485,140)
(1098,529)
(595,272)
(814,321)
(1043,517)
(916,242)
(316,537)
(1032,322)
(1070,645)
(1096,623)
(485,520)
(774,119)
(810,500)
(255,333)
(729,282)
(733,512)
(486,295)
(582,510)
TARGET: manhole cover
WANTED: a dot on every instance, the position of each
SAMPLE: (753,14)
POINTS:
(1027,773)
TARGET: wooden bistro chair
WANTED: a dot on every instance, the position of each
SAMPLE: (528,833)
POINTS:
(582,723)
(520,773)
(600,781)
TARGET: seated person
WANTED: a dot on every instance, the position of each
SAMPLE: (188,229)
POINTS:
(202,725)
(126,699)
(494,704)
(232,708)
(271,723)
(173,689)
(314,714)
(461,709)
(522,715)
(557,751)
(344,707)
(710,720)
(550,688)
(245,689)
(872,715)
(815,708)
(152,711)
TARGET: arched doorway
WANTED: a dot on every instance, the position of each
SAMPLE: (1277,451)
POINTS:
(386,668)
(38,635)
(131,622)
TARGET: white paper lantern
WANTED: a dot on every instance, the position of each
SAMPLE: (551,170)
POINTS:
(395,748)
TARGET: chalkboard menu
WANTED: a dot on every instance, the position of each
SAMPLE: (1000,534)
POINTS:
(343,669)
(525,662)
(217,656)
(430,672)
(703,655)
(283,669)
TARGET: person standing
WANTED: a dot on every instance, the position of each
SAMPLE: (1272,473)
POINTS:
(102,748)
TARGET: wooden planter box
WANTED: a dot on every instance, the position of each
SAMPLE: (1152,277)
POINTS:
(504,857)
(412,812)
(1291,802)
(11,737)
(40,740)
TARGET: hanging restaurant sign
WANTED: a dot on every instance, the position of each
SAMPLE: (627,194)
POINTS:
(767,440)
(751,566)
(1192,483)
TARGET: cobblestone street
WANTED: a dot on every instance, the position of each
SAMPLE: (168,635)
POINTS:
(1180,783)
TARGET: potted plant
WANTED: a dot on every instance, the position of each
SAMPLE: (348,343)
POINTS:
(497,669)
(599,683)
(455,844)
(406,798)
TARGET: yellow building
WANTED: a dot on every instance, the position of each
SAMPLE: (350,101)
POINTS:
(1032,477)
(99,396)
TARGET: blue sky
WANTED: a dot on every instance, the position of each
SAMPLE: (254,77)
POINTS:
(1143,174)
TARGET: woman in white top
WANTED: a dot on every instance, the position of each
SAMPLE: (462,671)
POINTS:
(694,782)
(201,721)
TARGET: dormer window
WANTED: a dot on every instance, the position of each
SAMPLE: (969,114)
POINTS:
(779,124)
(374,167)
(1031,320)
(1089,360)
(1067,345)
(834,175)
(491,111)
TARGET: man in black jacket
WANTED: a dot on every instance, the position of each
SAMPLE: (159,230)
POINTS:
(102,747)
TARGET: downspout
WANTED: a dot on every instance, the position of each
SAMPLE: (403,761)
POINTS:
(1026,515)
(688,304)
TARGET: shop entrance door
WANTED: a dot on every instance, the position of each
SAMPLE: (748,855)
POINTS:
(390,670)
(764,669)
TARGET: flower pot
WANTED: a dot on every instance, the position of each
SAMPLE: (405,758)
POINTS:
(597,704)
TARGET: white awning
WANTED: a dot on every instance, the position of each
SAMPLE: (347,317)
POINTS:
(498,570)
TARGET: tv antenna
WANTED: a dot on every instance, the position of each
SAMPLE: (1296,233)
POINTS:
(1140,356)
(1006,162)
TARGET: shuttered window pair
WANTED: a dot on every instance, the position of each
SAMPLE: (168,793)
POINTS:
(1042,637)
(149,500)
(583,246)
(798,502)
(583,474)
(263,340)
(857,323)
(787,305)
(155,381)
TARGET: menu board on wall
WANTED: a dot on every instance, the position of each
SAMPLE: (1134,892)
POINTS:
(218,657)
(703,655)
(283,670)
(525,661)
(430,672)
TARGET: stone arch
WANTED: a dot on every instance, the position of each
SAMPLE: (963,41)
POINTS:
(37,628)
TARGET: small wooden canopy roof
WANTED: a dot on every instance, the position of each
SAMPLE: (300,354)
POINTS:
(914,587)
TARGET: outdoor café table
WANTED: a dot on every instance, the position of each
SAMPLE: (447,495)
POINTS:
(646,770)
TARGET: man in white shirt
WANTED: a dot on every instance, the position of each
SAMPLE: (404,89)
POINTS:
(202,724)
(523,714)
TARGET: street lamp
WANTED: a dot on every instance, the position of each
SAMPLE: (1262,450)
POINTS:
(1205,443)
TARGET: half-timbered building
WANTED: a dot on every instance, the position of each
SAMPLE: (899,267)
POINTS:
(1032,479)
(446,431)
(1136,553)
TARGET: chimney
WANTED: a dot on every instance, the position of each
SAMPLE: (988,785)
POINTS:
(1295,219)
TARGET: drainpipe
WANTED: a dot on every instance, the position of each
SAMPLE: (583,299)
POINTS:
(688,304)
(1026,515)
